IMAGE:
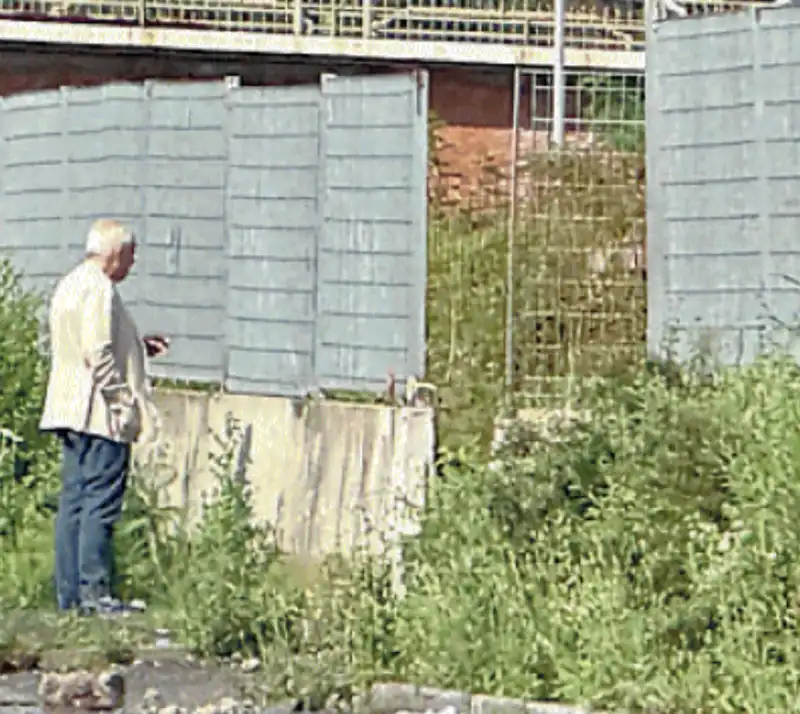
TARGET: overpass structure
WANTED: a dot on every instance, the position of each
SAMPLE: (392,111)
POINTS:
(607,36)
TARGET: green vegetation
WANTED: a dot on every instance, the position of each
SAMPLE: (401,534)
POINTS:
(646,561)
(614,105)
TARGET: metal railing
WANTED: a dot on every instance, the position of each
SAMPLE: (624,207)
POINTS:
(609,25)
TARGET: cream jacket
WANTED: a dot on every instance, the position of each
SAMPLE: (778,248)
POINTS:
(98,382)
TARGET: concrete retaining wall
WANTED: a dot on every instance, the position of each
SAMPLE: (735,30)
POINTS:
(330,477)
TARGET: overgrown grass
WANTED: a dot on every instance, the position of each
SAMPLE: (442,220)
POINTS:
(647,561)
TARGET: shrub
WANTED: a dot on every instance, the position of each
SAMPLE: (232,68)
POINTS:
(28,461)
(23,368)
(649,562)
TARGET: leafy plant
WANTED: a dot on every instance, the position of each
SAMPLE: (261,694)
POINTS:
(221,598)
(28,461)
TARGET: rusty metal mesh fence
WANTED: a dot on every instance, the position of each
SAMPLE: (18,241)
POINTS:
(527,300)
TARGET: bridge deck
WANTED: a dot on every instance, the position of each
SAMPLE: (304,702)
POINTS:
(503,32)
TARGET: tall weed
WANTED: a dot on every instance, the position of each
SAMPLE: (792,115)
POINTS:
(28,462)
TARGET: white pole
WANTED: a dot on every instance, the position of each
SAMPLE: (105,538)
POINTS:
(559,79)
(512,229)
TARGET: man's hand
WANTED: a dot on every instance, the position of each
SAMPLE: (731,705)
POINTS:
(156,345)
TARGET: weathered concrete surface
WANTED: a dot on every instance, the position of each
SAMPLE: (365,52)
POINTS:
(330,477)
(400,698)
(175,687)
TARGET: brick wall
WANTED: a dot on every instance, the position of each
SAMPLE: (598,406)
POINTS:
(31,70)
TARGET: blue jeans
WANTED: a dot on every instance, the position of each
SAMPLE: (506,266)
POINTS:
(95,472)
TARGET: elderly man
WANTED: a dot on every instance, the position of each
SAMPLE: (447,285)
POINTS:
(98,403)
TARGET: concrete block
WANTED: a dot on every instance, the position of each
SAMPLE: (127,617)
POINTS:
(439,700)
(553,708)
(329,477)
(397,697)
(391,697)
(482,704)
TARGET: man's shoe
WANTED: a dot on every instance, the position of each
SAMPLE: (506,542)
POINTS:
(111,607)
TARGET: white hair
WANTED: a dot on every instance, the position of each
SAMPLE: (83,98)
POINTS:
(106,236)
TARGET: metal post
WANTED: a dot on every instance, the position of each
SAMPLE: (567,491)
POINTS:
(559,80)
(366,19)
(512,227)
(297,19)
